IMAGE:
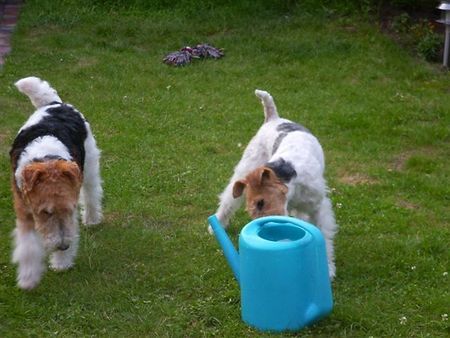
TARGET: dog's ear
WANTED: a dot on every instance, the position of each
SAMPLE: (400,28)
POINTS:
(269,176)
(238,188)
(72,172)
(31,175)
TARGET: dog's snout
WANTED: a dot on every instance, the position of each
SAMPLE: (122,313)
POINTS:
(260,205)
(63,246)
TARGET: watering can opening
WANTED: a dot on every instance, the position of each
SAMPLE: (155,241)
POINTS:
(281,233)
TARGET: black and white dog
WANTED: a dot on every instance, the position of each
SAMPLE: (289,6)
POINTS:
(281,173)
(55,165)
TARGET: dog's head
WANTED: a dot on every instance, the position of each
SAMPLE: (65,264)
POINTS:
(265,193)
(51,190)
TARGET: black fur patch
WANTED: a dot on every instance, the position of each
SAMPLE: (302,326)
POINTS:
(283,169)
(48,158)
(284,129)
(288,127)
(278,141)
(62,122)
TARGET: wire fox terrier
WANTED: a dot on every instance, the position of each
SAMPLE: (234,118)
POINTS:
(55,164)
(281,173)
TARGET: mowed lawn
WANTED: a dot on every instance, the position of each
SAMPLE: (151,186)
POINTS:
(170,138)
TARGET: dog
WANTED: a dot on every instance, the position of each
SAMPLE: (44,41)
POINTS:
(55,165)
(281,173)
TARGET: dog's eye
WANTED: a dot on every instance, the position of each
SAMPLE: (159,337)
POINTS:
(46,213)
(260,204)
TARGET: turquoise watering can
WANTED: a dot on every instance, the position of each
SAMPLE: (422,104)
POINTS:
(282,272)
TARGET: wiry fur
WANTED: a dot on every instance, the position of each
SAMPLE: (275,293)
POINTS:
(39,92)
(281,173)
(55,164)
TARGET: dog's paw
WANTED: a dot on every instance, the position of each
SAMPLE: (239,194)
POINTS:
(28,281)
(60,266)
(27,284)
(60,262)
(91,218)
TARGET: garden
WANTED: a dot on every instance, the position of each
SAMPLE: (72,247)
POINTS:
(171,136)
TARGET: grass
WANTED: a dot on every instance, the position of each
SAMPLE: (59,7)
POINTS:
(171,136)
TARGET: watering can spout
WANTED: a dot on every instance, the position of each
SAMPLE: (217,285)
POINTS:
(229,250)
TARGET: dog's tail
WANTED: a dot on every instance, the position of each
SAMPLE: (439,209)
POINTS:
(39,91)
(270,110)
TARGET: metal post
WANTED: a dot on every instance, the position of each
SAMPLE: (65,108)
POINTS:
(445,8)
(446,45)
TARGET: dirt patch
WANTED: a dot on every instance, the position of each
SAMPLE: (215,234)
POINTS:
(86,62)
(357,179)
(407,205)
(398,164)
(400,160)
(388,12)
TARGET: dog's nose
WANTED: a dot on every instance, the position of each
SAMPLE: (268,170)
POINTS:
(63,246)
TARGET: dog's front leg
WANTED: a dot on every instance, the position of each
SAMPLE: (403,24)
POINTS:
(29,254)
(228,204)
(63,260)
(253,157)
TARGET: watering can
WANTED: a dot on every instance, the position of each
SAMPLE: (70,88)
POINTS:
(282,272)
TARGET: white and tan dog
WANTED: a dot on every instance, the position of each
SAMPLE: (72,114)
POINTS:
(281,173)
(55,164)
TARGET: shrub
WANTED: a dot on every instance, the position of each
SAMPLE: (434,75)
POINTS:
(427,42)
(420,36)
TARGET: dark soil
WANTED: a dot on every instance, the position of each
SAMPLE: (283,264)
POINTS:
(387,14)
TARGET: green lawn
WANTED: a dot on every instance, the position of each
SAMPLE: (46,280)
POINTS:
(170,138)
